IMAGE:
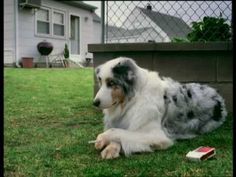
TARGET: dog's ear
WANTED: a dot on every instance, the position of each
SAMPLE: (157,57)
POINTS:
(125,69)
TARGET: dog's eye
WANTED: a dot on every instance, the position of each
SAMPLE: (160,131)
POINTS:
(111,83)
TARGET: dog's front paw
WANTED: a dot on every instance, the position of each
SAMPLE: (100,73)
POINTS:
(101,141)
(111,151)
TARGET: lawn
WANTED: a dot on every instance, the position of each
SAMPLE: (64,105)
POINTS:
(49,118)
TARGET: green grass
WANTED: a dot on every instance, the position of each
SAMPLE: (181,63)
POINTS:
(48,120)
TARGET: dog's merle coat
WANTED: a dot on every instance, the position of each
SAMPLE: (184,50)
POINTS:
(142,109)
(191,109)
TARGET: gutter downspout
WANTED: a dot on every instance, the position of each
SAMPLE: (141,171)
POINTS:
(16,34)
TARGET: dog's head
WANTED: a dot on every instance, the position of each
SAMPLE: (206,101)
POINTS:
(116,80)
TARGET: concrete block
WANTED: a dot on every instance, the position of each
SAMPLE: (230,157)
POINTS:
(225,66)
(100,58)
(186,66)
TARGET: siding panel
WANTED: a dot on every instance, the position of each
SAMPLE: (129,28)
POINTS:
(9,32)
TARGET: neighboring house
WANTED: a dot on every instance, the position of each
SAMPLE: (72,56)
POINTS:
(151,25)
(58,22)
(118,34)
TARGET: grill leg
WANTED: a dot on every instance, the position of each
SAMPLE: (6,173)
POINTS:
(47,61)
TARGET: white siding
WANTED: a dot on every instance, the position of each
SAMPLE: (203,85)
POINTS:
(86,34)
(28,40)
(97,33)
(9,32)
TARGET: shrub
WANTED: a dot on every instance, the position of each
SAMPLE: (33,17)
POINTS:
(178,40)
(66,52)
(209,29)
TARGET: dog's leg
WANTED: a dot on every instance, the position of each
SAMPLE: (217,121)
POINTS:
(132,141)
(102,141)
(111,151)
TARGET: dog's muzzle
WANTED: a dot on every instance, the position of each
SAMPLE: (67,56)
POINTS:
(96,102)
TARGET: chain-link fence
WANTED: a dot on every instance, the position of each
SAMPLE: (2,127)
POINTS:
(167,21)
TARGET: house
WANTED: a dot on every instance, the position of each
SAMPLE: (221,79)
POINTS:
(122,35)
(28,22)
(144,24)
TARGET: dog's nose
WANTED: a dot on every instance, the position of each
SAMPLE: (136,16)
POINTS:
(96,103)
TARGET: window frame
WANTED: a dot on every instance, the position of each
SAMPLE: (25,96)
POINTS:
(64,23)
(51,23)
(36,23)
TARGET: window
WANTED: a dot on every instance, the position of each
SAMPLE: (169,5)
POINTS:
(43,21)
(58,24)
(50,22)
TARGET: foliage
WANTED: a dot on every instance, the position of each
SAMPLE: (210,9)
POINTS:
(209,29)
(179,40)
(66,52)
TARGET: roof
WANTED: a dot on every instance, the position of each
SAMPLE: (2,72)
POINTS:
(79,4)
(118,32)
(171,25)
(96,18)
(114,31)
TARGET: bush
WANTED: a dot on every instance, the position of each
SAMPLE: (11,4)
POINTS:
(178,40)
(66,52)
(209,29)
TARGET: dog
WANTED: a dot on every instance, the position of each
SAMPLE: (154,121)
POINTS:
(144,112)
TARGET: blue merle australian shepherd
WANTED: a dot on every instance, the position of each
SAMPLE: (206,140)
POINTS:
(144,112)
